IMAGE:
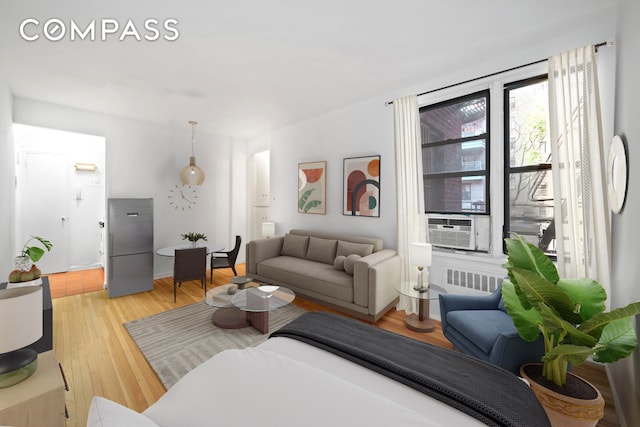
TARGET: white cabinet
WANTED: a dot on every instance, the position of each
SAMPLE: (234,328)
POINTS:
(260,215)
(260,193)
(261,179)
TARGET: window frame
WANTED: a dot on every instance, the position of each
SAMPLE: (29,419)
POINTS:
(508,169)
(486,136)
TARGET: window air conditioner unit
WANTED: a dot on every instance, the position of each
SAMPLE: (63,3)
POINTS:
(452,231)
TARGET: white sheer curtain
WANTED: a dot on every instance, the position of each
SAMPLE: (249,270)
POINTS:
(409,186)
(582,217)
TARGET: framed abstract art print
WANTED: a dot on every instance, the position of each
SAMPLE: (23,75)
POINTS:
(312,187)
(361,192)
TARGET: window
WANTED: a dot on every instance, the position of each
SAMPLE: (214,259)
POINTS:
(455,155)
(528,202)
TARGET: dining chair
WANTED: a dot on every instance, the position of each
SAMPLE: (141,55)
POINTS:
(226,259)
(190,264)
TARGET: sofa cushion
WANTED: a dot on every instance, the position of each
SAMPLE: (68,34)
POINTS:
(295,246)
(338,262)
(349,262)
(310,275)
(348,248)
(322,250)
(481,326)
(378,244)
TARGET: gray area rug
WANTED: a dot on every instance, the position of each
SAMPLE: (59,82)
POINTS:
(176,341)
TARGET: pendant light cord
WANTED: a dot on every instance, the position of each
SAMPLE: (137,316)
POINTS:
(193,135)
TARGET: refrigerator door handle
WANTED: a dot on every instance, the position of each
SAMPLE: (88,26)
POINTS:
(132,214)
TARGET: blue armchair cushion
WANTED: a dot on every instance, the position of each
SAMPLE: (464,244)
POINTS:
(481,327)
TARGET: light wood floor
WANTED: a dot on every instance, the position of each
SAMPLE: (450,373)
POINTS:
(100,358)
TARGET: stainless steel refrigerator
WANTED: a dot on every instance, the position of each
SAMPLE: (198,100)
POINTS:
(130,264)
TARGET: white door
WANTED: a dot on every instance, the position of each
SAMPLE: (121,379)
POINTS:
(44,207)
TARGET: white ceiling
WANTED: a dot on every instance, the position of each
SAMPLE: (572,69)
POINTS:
(242,67)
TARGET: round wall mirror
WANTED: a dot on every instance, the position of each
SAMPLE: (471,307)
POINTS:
(617,174)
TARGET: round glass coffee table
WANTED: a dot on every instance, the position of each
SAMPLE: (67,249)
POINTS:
(420,322)
(246,307)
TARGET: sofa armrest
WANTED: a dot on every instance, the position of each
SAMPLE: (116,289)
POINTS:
(261,249)
(374,279)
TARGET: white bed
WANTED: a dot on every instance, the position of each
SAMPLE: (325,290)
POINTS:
(283,382)
(326,370)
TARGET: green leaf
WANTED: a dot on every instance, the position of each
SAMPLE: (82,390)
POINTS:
(525,321)
(587,294)
(303,198)
(574,354)
(312,204)
(596,324)
(35,253)
(540,291)
(563,330)
(524,255)
(47,244)
(618,340)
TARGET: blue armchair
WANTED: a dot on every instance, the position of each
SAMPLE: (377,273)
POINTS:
(480,326)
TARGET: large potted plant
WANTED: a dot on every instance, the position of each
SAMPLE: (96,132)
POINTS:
(25,268)
(570,314)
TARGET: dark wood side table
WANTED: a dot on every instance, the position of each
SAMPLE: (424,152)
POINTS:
(420,322)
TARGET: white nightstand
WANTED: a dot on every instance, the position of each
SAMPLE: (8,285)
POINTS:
(38,400)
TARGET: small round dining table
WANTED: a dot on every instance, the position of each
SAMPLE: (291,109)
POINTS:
(171,250)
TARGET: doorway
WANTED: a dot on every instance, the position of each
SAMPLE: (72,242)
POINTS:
(260,193)
(60,196)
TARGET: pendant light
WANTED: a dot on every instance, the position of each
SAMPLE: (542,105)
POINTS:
(192,174)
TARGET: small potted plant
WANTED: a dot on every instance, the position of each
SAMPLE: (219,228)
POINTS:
(194,237)
(25,268)
(570,315)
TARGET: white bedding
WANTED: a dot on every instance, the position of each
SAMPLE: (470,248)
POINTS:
(283,382)
(433,409)
(257,386)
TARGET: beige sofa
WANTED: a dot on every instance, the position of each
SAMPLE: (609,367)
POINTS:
(353,274)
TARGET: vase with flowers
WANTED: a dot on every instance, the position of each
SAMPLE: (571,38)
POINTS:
(194,237)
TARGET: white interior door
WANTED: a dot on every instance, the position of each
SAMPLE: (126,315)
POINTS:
(44,206)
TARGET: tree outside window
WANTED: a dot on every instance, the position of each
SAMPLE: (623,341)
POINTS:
(528,174)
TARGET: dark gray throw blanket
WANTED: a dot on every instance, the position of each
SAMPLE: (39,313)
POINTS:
(479,389)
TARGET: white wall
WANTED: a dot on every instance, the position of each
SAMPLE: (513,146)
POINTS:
(144,160)
(624,375)
(367,128)
(7,192)
(358,130)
